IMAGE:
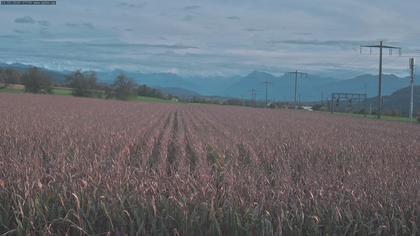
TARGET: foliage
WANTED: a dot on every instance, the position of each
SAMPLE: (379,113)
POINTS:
(146,91)
(10,76)
(234,102)
(83,84)
(123,88)
(89,167)
(36,82)
(317,107)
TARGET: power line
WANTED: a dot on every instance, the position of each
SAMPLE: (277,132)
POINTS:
(381,47)
(297,74)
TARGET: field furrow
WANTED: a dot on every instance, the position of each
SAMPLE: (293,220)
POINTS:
(83,166)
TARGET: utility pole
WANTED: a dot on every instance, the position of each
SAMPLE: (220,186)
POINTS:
(299,100)
(365,87)
(267,83)
(381,46)
(253,97)
(297,74)
(412,88)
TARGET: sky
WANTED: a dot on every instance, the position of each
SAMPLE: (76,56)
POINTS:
(212,37)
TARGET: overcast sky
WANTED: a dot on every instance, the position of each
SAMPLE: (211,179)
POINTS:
(217,37)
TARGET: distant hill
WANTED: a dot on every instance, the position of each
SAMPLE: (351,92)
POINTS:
(255,80)
(399,101)
(366,84)
(213,86)
(281,88)
(311,88)
(152,80)
(207,86)
(56,76)
(159,79)
(179,92)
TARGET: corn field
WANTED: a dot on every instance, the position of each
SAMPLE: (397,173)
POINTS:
(74,166)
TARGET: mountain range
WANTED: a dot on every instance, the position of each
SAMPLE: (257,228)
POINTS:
(310,87)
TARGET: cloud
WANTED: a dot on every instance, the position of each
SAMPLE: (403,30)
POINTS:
(44,23)
(21,31)
(143,45)
(233,18)
(327,43)
(299,29)
(25,20)
(72,25)
(80,25)
(252,29)
(187,18)
(44,32)
(192,8)
(30,20)
(89,25)
(131,5)
(303,33)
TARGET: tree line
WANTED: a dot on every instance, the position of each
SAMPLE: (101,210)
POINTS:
(83,84)
(34,80)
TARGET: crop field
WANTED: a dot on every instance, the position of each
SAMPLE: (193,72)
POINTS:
(94,167)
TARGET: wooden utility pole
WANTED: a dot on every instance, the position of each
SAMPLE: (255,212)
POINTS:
(253,97)
(411,88)
(381,46)
(297,74)
(267,83)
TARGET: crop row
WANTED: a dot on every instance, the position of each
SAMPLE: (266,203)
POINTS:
(85,166)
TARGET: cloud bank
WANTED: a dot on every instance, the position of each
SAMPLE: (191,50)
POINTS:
(198,37)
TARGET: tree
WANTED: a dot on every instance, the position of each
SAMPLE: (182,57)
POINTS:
(36,82)
(146,91)
(123,88)
(83,84)
(10,76)
(2,77)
